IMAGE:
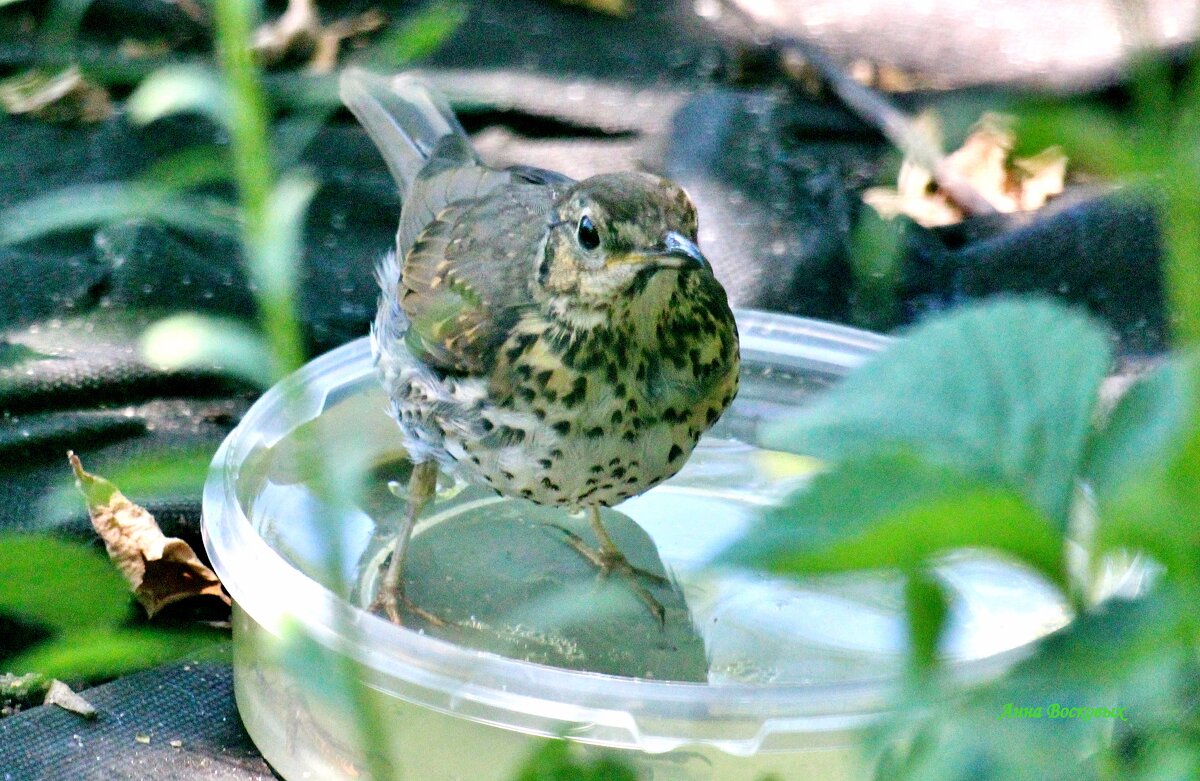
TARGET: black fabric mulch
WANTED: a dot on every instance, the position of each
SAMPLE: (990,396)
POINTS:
(174,723)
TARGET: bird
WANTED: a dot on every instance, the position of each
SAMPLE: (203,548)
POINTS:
(564,342)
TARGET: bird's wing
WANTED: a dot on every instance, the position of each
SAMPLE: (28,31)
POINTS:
(466,280)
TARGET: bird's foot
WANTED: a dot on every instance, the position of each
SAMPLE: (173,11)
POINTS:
(388,601)
(609,561)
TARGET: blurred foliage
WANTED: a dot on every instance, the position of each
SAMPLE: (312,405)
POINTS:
(557,760)
(876,255)
(1002,398)
(83,603)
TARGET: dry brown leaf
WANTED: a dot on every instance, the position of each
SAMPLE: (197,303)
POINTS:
(984,161)
(64,697)
(299,34)
(64,96)
(161,570)
(610,7)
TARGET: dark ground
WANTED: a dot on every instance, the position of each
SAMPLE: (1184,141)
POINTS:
(776,174)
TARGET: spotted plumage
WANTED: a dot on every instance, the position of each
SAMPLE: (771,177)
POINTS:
(560,341)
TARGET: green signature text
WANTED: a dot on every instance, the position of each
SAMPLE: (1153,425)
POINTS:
(1056,711)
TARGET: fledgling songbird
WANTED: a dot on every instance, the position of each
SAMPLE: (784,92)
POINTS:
(563,342)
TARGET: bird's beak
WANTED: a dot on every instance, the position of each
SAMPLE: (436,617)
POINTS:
(680,252)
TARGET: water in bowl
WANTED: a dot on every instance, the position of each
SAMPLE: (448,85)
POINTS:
(754,628)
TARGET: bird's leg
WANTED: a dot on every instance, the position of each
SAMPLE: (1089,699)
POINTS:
(609,559)
(390,595)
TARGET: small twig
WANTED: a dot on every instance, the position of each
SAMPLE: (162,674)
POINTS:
(873,108)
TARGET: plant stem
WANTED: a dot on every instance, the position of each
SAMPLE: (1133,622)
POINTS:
(255,173)
(271,262)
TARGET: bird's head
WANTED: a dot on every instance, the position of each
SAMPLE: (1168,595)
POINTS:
(617,237)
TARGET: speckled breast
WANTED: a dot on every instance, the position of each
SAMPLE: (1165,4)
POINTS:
(580,417)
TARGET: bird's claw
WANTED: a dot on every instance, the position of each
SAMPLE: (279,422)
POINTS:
(610,561)
(388,601)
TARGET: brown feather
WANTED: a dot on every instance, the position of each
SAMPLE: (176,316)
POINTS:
(462,288)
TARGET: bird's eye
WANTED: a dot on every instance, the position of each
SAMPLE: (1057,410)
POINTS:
(589,237)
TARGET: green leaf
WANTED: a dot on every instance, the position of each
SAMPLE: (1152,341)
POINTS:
(194,166)
(1092,139)
(87,205)
(1147,428)
(1144,502)
(14,354)
(275,267)
(876,261)
(209,343)
(895,511)
(419,36)
(927,606)
(61,585)
(1002,391)
(179,89)
(1126,656)
(103,652)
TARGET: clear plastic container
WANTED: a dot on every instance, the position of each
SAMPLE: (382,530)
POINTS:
(751,676)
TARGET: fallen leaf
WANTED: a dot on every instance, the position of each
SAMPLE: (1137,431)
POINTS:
(63,96)
(610,7)
(984,161)
(161,570)
(299,34)
(61,695)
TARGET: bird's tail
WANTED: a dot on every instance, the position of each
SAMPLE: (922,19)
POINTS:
(405,117)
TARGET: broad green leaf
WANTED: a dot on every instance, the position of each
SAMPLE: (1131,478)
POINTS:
(102,652)
(64,586)
(210,343)
(1002,391)
(1145,502)
(1035,722)
(178,89)
(1147,428)
(897,512)
(88,205)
